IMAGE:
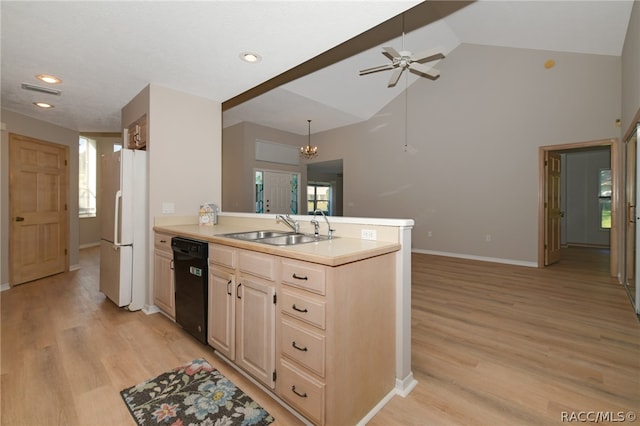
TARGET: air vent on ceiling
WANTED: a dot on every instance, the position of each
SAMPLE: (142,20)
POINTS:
(41,89)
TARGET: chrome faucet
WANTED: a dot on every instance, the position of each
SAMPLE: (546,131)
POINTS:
(290,222)
(316,224)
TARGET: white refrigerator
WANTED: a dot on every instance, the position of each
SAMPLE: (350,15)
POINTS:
(123,227)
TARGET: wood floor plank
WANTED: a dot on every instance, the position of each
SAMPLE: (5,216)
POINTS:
(66,352)
(491,345)
(518,345)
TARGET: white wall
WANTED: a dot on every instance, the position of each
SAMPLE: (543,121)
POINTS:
(184,153)
(27,126)
(239,162)
(471,169)
(631,69)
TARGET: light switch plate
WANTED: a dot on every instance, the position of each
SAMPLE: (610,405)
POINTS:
(168,208)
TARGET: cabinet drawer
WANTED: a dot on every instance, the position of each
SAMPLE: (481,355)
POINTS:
(303,308)
(302,346)
(258,264)
(301,391)
(304,275)
(162,242)
(222,255)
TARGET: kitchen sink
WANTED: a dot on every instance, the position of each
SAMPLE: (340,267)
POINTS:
(256,235)
(276,238)
(293,239)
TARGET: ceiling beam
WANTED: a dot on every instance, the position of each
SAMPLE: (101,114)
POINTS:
(416,17)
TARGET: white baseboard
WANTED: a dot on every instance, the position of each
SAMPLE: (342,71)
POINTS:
(150,309)
(480,258)
(4,287)
(371,414)
(403,388)
(406,385)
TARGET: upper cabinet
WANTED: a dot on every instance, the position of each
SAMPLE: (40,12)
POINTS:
(138,134)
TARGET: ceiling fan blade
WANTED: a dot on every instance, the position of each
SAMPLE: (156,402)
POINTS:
(428,55)
(424,69)
(395,77)
(376,69)
(390,51)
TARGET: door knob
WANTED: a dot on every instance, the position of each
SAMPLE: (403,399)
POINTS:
(19,219)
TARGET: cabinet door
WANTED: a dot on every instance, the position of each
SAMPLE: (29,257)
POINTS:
(255,329)
(163,285)
(222,287)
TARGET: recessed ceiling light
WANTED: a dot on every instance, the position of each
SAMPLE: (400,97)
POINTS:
(250,57)
(43,105)
(51,79)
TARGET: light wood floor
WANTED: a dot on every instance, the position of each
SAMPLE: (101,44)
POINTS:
(492,345)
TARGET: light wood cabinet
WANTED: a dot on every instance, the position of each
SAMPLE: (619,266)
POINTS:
(325,344)
(242,309)
(222,303)
(336,338)
(255,329)
(138,134)
(163,278)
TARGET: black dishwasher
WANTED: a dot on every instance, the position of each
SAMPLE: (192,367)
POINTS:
(190,269)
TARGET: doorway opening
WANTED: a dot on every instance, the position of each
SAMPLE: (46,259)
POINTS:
(549,204)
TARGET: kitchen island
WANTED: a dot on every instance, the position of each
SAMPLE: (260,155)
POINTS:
(333,346)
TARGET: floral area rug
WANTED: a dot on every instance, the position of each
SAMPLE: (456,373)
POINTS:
(194,394)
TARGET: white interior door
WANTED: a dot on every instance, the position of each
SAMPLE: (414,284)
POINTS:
(277,192)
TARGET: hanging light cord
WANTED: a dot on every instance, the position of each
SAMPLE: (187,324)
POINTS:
(406,110)
(406,95)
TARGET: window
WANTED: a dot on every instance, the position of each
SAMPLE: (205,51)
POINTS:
(87,177)
(605,198)
(319,197)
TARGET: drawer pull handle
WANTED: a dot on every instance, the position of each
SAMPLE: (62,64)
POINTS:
(238,291)
(163,241)
(295,308)
(300,277)
(300,348)
(301,395)
(229,288)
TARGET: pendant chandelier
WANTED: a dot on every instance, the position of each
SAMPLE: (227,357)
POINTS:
(308,151)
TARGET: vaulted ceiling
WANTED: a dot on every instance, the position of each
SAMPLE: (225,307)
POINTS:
(106,52)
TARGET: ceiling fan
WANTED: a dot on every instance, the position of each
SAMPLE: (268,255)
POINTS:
(404,59)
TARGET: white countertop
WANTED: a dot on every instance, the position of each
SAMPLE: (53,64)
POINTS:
(334,252)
